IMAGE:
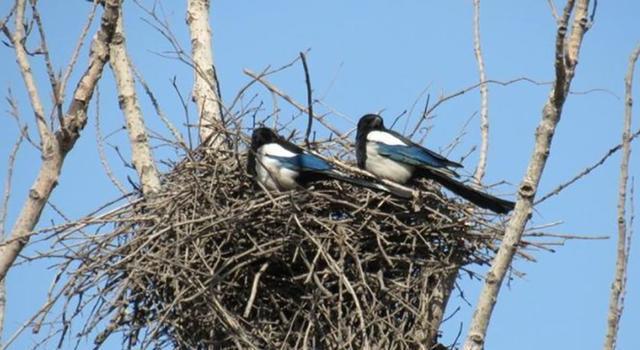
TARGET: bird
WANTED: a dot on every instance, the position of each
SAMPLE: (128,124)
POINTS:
(389,155)
(281,165)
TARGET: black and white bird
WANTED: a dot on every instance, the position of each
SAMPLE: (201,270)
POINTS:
(281,165)
(391,156)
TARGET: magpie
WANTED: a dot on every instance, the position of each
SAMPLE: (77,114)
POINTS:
(281,165)
(391,156)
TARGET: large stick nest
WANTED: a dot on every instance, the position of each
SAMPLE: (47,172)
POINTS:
(214,261)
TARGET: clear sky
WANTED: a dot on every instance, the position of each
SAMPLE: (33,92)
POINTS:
(381,55)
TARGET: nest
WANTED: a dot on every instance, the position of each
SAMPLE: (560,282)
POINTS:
(213,261)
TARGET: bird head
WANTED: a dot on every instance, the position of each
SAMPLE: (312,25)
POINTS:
(262,136)
(370,122)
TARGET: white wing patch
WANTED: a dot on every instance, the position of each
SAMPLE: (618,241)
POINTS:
(269,170)
(384,137)
(274,149)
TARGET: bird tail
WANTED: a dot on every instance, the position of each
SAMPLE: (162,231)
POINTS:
(479,198)
(367,184)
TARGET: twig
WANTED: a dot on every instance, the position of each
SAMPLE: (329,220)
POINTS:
(307,80)
(446,98)
(289,99)
(18,40)
(254,289)
(484,97)
(185,108)
(100,146)
(53,80)
(156,105)
(554,12)
(586,171)
(7,187)
(15,113)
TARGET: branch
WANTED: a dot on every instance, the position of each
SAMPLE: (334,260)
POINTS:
(309,98)
(100,147)
(53,80)
(4,206)
(484,96)
(156,105)
(565,64)
(204,95)
(618,285)
(63,142)
(443,99)
(289,99)
(586,171)
(141,155)
(76,50)
(18,40)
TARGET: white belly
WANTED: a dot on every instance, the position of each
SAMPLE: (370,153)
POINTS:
(274,177)
(387,168)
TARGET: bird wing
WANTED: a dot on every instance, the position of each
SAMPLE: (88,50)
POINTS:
(304,162)
(417,156)
(429,153)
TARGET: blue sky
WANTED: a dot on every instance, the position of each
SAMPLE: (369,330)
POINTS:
(380,55)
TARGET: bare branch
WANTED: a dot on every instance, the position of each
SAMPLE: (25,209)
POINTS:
(565,64)
(446,98)
(18,40)
(76,50)
(554,12)
(64,140)
(53,80)
(309,99)
(289,99)
(4,207)
(156,105)
(618,285)
(141,155)
(484,97)
(586,171)
(100,146)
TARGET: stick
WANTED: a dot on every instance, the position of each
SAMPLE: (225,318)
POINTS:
(309,99)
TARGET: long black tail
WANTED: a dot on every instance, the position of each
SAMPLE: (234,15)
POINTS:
(367,184)
(481,199)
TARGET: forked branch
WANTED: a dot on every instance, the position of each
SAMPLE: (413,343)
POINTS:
(62,141)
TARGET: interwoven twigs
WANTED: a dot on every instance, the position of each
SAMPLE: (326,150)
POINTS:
(213,261)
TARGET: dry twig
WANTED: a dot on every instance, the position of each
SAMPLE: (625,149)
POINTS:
(484,97)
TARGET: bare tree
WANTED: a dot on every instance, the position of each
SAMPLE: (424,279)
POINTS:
(618,286)
(566,60)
